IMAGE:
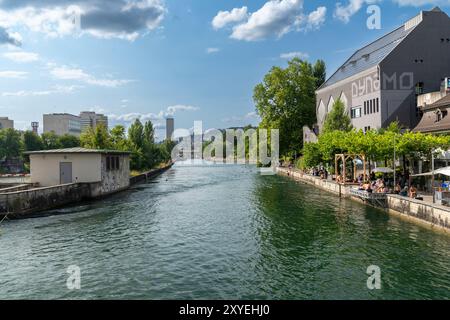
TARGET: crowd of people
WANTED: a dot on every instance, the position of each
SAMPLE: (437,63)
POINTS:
(372,184)
(380,186)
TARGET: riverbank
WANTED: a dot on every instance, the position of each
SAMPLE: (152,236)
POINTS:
(432,215)
(150,174)
(27,200)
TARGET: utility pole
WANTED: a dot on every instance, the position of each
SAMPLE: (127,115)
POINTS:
(432,178)
(395,172)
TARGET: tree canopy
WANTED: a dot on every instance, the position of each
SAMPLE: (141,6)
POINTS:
(145,152)
(376,145)
(285,100)
(337,119)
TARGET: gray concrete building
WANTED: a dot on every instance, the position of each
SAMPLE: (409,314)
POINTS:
(6,123)
(91,119)
(62,123)
(380,82)
(170,128)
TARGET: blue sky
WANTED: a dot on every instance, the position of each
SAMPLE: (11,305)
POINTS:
(194,59)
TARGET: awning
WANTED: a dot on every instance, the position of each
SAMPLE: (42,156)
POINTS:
(444,171)
(383,170)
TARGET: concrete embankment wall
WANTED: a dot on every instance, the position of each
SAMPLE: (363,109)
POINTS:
(434,215)
(22,203)
(149,175)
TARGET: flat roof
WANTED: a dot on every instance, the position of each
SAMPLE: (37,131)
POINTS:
(77,150)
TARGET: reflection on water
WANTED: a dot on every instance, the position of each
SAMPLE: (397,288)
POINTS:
(222,232)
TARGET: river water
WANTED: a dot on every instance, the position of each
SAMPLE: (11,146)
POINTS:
(222,232)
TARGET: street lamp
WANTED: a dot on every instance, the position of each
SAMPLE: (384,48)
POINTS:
(395,173)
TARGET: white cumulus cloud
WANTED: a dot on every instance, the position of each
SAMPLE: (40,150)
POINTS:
(224,18)
(212,50)
(67,73)
(21,56)
(13,74)
(124,19)
(169,112)
(274,19)
(295,54)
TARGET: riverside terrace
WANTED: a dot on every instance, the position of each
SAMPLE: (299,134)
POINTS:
(422,212)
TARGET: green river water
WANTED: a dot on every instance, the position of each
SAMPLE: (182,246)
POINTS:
(222,232)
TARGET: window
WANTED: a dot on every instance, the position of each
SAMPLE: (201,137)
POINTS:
(371,106)
(356,113)
(440,115)
(365,107)
(108,163)
(378,105)
(117,163)
(419,88)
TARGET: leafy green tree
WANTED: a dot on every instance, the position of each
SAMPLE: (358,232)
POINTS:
(10,144)
(98,138)
(136,134)
(320,72)
(102,138)
(285,100)
(311,155)
(32,141)
(337,119)
(69,141)
(50,141)
(149,132)
(119,139)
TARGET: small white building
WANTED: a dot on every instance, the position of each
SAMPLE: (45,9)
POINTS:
(107,171)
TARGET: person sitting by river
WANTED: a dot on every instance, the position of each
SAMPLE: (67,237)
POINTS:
(404,192)
(413,192)
(397,189)
(381,187)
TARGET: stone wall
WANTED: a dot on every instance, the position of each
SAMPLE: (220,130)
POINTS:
(419,211)
(149,175)
(327,185)
(112,180)
(432,214)
(21,203)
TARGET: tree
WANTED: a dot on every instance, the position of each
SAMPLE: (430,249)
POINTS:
(320,73)
(32,141)
(10,144)
(102,138)
(136,134)
(285,100)
(50,141)
(118,138)
(98,138)
(311,155)
(69,141)
(337,120)
(149,132)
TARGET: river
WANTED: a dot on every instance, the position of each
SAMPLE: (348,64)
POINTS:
(222,232)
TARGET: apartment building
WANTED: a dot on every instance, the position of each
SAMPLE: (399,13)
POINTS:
(6,123)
